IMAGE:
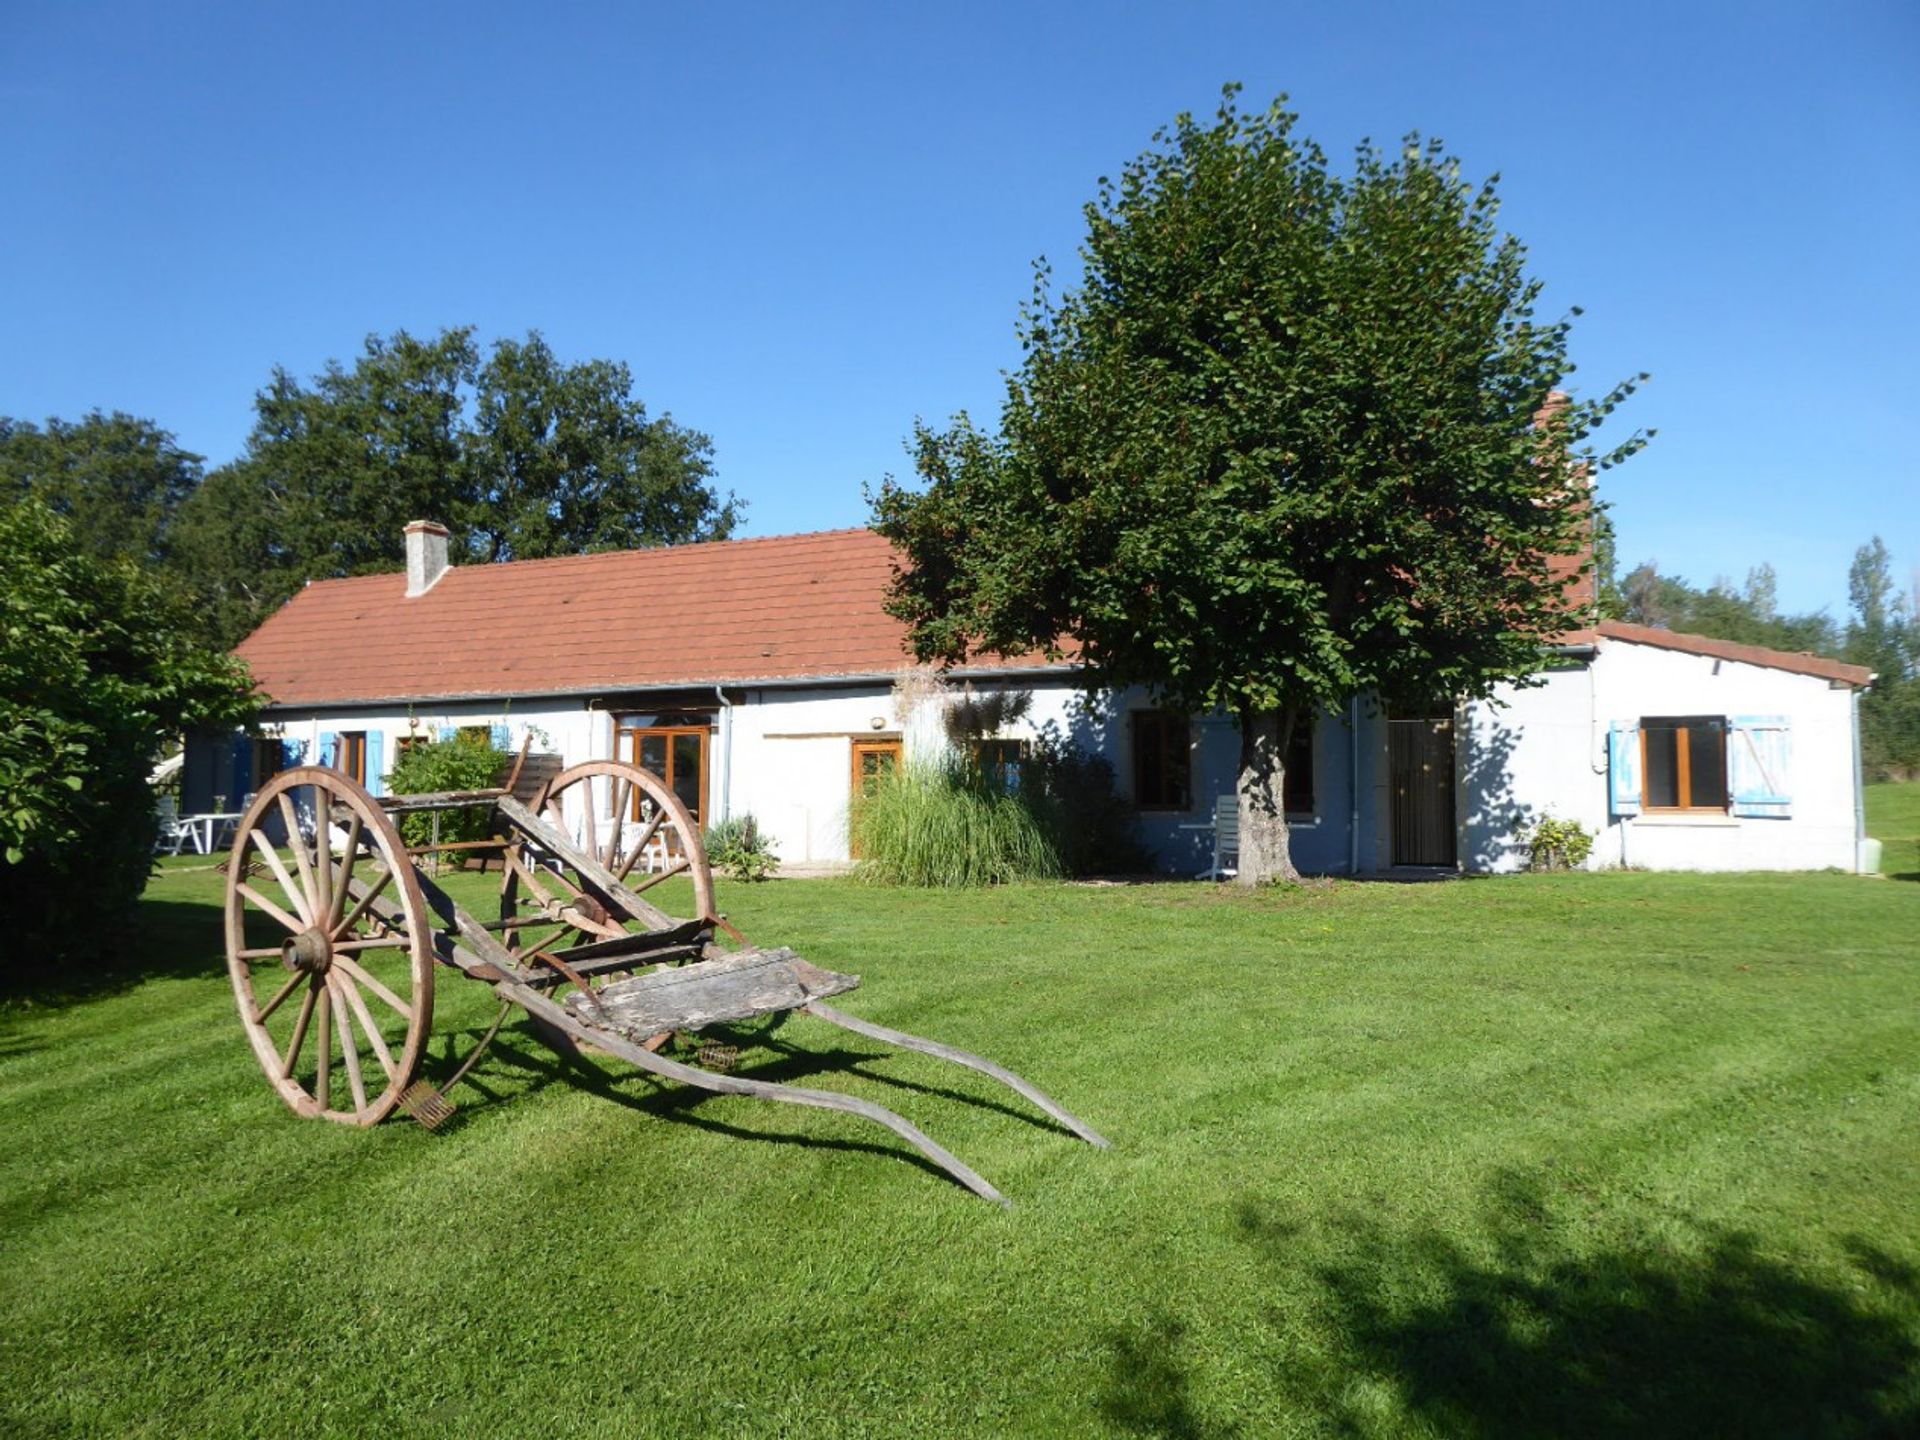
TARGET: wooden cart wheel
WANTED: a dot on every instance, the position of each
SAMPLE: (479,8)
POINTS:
(629,820)
(329,946)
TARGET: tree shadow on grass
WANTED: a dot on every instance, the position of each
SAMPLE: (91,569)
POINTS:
(1148,1384)
(163,939)
(1526,1338)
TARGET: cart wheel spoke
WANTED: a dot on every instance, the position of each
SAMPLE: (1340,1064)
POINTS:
(300,1023)
(297,843)
(351,967)
(267,907)
(338,884)
(344,983)
(679,867)
(640,849)
(349,1050)
(293,984)
(295,895)
(622,795)
(323,1075)
(363,905)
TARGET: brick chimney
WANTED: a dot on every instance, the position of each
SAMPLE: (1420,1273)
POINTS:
(1580,596)
(426,555)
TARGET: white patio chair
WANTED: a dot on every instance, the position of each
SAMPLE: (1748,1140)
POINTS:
(1226,839)
(170,831)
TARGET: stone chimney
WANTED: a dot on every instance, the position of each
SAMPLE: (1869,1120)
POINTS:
(426,555)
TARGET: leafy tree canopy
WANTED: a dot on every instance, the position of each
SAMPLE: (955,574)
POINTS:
(99,668)
(118,479)
(1748,613)
(1278,449)
(521,454)
(1883,634)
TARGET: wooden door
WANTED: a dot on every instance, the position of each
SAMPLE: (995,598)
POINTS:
(871,760)
(1421,772)
(678,755)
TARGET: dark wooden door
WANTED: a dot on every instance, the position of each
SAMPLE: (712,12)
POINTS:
(1421,769)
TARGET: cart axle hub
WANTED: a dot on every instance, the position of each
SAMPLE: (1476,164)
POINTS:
(310,951)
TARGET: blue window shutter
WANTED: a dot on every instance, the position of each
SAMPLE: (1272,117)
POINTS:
(376,762)
(447,733)
(499,736)
(1623,768)
(242,766)
(292,752)
(1760,766)
(329,746)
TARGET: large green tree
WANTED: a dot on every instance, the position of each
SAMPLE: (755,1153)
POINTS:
(522,455)
(117,478)
(564,459)
(1279,448)
(1749,613)
(99,669)
(1883,634)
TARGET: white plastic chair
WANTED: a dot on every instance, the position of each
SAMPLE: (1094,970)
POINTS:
(1226,839)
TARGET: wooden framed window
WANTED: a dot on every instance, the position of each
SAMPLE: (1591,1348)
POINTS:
(1297,797)
(350,756)
(872,758)
(1683,763)
(1162,760)
(674,747)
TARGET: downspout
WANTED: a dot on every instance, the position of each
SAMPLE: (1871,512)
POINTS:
(1859,789)
(726,753)
(1353,786)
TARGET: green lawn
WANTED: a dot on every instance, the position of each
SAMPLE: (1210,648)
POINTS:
(1893,818)
(1632,1155)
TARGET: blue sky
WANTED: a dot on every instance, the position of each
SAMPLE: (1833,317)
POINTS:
(804,225)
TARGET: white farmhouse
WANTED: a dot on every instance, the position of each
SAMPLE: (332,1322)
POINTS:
(758,676)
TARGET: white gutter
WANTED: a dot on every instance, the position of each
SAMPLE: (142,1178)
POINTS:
(616,688)
(1859,791)
(726,753)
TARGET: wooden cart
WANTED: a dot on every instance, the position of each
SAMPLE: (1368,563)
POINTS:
(334,933)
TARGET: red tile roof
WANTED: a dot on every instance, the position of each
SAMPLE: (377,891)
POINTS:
(1799,662)
(790,607)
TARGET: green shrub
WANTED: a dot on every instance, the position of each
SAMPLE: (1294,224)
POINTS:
(738,848)
(98,671)
(429,766)
(1093,827)
(941,825)
(1558,844)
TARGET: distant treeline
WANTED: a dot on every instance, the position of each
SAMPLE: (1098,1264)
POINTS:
(522,454)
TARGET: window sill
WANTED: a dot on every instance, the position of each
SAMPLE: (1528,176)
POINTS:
(1686,819)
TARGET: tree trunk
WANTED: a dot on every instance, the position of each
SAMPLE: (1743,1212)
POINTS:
(1266,851)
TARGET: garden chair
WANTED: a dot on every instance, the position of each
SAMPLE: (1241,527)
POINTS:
(1226,839)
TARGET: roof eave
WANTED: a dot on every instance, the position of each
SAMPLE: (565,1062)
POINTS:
(751,682)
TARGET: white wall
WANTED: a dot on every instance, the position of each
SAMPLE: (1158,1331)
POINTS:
(565,727)
(785,756)
(1545,752)
(792,752)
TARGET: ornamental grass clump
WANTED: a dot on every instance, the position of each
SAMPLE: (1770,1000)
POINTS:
(943,825)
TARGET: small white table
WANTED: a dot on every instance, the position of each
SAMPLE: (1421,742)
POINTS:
(200,828)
